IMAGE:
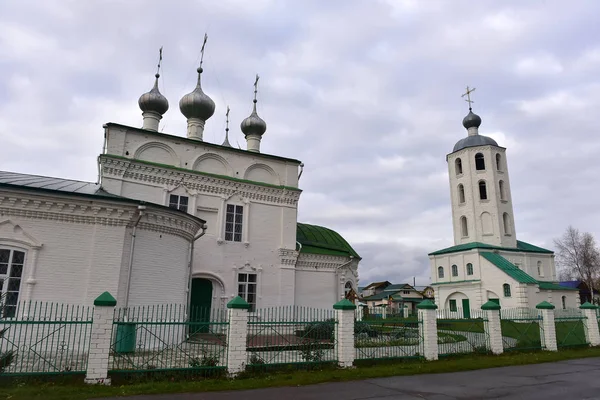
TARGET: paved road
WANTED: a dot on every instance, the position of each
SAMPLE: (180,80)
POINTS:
(566,380)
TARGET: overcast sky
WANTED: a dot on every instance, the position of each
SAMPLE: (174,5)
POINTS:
(366,93)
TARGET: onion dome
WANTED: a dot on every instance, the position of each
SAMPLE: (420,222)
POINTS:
(154,101)
(472,120)
(197,104)
(254,125)
(474,141)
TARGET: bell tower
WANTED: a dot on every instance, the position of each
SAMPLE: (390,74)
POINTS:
(480,188)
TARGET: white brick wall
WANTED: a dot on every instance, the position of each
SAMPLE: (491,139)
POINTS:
(592,332)
(428,333)
(97,367)
(237,356)
(344,337)
(494,331)
(549,330)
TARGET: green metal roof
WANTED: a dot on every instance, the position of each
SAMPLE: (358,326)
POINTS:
(544,285)
(398,286)
(320,240)
(509,268)
(521,246)
(378,296)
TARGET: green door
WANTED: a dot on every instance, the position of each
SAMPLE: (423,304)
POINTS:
(466,308)
(200,303)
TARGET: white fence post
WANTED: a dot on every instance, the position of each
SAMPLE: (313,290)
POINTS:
(237,333)
(428,329)
(493,326)
(359,313)
(592,333)
(99,354)
(344,332)
(383,312)
(549,339)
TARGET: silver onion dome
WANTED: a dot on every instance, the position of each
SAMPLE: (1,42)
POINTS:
(472,120)
(197,104)
(154,101)
(254,125)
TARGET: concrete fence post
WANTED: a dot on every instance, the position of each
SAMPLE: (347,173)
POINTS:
(493,326)
(100,340)
(344,332)
(428,329)
(384,312)
(548,325)
(359,313)
(592,333)
(237,334)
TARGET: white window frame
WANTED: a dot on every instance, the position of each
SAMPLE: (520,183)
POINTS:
(241,224)
(177,204)
(244,285)
(5,281)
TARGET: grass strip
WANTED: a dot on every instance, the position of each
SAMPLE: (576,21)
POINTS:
(28,389)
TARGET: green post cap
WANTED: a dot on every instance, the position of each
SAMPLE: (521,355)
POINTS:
(588,305)
(239,303)
(105,299)
(344,305)
(490,305)
(544,305)
(427,305)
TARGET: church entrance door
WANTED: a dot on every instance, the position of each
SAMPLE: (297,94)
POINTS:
(200,304)
(466,308)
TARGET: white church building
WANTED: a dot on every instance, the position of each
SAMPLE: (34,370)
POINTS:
(172,219)
(487,262)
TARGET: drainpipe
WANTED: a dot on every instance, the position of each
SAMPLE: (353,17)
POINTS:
(299,251)
(141,209)
(198,236)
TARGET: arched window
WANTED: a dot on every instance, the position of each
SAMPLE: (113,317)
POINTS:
(461,193)
(564,302)
(469,269)
(539,268)
(498,162)
(440,272)
(482,190)
(501,190)
(454,270)
(458,166)
(479,162)
(506,288)
(464,229)
(506,222)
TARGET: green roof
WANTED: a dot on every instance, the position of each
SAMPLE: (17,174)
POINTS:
(553,286)
(509,268)
(398,286)
(379,296)
(521,246)
(319,240)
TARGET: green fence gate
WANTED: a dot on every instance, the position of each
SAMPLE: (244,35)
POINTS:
(45,338)
(168,338)
(291,335)
(458,335)
(570,327)
(376,338)
(522,329)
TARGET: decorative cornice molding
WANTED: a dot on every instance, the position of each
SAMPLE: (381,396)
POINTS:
(159,176)
(288,256)
(320,261)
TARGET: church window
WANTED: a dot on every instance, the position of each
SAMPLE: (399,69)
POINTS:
(454,270)
(506,223)
(453,305)
(247,289)
(539,268)
(461,193)
(498,162)
(178,202)
(482,190)
(233,223)
(564,302)
(469,269)
(506,288)
(501,190)
(440,272)
(11,269)
(479,162)
(458,166)
(464,229)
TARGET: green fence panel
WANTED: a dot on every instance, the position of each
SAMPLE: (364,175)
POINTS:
(45,338)
(462,331)
(387,338)
(168,338)
(522,329)
(291,335)
(570,327)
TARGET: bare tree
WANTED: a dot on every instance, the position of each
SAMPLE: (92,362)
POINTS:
(578,257)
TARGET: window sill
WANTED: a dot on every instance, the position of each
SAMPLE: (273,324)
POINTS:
(507,234)
(464,203)
(484,200)
(458,176)
(480,171)
(503,201)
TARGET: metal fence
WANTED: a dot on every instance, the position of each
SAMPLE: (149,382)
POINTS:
(570,327)
(45,338)
(168,338)
(387,338)
(458,334)
(291,335)
(522,329)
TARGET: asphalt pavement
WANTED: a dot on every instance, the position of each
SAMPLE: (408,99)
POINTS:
(565,380)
